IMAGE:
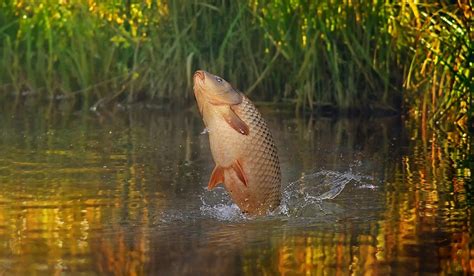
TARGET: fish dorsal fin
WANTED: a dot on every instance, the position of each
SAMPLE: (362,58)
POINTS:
(235,122)
(237,167)
(217,177)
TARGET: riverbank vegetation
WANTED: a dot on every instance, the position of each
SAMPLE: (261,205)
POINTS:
(382,56)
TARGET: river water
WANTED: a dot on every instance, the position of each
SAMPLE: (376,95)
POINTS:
(124,193)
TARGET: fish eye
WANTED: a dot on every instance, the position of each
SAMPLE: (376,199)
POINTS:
(219,79)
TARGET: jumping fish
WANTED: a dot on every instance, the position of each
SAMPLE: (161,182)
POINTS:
(241,144)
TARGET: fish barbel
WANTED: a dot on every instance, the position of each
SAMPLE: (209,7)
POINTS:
(241,144)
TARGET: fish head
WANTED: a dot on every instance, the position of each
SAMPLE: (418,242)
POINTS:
(214,90)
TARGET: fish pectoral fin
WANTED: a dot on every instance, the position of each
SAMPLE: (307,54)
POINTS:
(239,171)
(217,177)
(235,122)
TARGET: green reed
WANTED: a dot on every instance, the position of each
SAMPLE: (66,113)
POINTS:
(439,79)
(343,55)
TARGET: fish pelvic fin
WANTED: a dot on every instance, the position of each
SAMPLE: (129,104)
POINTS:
(217,177)
(235,122)
(239,171)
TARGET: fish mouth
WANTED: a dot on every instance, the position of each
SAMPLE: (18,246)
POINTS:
(199,74)
(198,79)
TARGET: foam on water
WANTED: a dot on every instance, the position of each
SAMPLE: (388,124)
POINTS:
(218,205)
(223,212)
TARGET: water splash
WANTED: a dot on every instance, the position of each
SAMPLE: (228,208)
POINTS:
(218,205)
(302,197)
(305,195)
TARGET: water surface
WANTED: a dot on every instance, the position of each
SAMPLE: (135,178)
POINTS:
(125,193)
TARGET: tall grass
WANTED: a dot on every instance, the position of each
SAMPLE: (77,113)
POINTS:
(439,80)
(344,55)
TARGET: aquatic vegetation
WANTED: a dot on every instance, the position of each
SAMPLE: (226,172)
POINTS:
(439,78)
(336,55)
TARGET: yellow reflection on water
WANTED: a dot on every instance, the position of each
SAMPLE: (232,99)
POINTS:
(61,213)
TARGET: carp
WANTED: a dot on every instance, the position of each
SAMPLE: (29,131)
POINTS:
(241,144)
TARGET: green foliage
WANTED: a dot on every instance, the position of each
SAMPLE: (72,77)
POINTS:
(440,40)
(342,54)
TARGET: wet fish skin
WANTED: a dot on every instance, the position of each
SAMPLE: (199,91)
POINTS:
(241,144)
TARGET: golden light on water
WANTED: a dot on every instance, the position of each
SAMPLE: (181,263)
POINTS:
(113,195)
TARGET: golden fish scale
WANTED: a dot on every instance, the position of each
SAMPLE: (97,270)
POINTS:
(260,157)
